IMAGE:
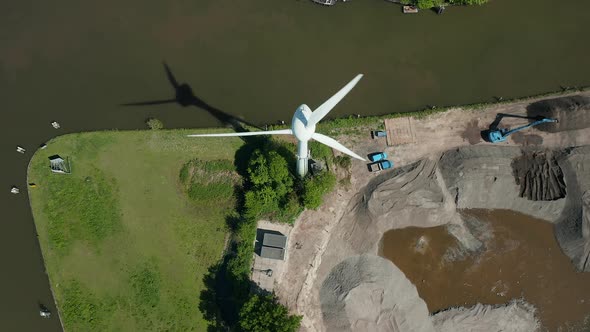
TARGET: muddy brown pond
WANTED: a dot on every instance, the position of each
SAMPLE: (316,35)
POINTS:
(521,259)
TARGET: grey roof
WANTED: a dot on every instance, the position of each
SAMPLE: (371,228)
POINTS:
(272,253)
(274,240)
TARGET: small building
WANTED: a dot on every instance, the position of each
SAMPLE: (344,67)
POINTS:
(273,246)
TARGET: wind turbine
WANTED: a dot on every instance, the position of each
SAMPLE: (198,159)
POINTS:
(303,127)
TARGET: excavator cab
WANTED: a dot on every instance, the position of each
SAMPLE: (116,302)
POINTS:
(497,135)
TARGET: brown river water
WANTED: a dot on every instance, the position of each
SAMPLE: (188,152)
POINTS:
(522,260)
(77,61)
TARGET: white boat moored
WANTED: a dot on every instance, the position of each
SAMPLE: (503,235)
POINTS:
(55,125)
(14,190)
(20,149)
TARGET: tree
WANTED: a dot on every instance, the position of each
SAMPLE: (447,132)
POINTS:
(270,181)
(154,124)
(316,187)
(263,313)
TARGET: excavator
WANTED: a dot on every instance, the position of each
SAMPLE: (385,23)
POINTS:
(497,135)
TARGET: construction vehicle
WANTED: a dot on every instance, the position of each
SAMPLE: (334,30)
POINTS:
(497,135)
(380,165)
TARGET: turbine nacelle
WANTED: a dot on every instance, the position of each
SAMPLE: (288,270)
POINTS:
(303,127)
(300,125)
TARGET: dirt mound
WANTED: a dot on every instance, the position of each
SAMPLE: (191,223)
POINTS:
(572,112)
(518,316)
(369,293)
(539,176)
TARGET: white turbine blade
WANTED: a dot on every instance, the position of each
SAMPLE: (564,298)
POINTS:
(327,106)
(335,145)
(247,133)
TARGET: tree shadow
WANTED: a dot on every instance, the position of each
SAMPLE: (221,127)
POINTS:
(224,295)
(184,96)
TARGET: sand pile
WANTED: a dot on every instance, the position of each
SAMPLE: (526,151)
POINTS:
(369,293)
(517,316)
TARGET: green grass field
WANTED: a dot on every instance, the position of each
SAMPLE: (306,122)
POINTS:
(126,239)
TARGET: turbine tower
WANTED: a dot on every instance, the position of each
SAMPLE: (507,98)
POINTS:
(303,127)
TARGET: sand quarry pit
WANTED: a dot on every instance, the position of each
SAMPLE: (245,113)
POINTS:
(336,279)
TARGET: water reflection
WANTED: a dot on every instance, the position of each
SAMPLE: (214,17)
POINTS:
(521,259)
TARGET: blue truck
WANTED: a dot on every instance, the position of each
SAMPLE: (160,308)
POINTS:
(380,165)
(379,162)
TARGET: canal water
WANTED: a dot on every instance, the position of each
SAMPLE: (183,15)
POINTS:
(521,260)
(76,62)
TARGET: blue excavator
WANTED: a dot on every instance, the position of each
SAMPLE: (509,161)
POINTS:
(497,135)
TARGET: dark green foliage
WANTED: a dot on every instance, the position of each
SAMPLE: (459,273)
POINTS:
(270,182)
(320,151)
(425,4)
(314,189)
(80,308)
(467,2)
(154,124)
(145,281)
(83,208)
(343,161)
(206,181)
(263,313)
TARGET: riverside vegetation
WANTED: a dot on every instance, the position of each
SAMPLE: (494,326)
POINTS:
(425,4)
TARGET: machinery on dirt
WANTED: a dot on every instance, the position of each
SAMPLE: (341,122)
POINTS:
(380,165)
(497,135)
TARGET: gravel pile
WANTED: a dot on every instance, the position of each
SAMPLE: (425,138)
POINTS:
(539,176)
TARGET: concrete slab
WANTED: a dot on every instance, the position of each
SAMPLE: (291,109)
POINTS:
(260,275)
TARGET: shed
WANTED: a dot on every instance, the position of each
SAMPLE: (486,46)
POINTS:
(272,253)
(274,240)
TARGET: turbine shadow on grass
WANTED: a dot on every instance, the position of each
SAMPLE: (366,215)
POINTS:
(184,96)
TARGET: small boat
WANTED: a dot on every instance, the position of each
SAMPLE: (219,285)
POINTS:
(14,190)
(44,312)
(43,146)
(20,149)
(325,2)
(410,9)
(440,10)
(55,125)
(32,185)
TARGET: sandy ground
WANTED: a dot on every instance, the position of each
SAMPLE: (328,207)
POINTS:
(337,230)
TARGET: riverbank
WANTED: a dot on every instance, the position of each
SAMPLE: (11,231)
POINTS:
(426,192)
(125,246)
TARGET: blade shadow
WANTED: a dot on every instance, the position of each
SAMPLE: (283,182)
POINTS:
(185,96)
(155,102)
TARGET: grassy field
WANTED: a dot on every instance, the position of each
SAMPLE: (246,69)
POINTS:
(128,236)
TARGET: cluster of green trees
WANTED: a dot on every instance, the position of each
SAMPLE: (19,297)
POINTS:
(425,4)
(271,191)
(263,313)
